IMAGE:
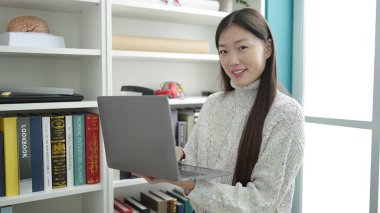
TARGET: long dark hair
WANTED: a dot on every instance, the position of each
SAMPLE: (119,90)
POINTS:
(250,142)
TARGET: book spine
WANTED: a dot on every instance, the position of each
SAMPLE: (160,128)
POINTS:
(36,142)
(9,127)
(92,148)
(58,151)
(47,153)
(24,154)
(182,133)
(69,150)
(122,207)
(79,150)
(6,209)
(2,177)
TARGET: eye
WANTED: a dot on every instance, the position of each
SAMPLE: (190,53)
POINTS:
(221,52)
(242,47)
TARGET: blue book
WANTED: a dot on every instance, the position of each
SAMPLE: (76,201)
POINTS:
(2,173)
(37,153)
(180,208)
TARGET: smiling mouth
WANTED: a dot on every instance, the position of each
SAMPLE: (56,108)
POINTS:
(238,71)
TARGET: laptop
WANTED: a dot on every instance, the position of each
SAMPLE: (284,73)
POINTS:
(139,138)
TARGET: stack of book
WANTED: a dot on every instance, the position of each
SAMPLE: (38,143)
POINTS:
(42,152)
(12,94)
(160,201)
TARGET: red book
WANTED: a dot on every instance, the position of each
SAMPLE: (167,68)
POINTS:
(92,148)
(121,206)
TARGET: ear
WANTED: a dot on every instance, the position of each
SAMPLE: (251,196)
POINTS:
(268,48)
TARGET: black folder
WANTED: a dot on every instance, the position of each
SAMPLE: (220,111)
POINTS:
(16,97)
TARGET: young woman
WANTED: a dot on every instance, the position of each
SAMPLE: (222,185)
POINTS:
(250,128)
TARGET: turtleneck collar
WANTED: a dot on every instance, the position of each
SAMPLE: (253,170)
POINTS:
(246,93)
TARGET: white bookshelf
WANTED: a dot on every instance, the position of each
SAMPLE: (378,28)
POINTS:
(196,72)
(82,66)
(92,68)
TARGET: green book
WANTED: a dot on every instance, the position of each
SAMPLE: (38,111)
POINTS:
(79,149)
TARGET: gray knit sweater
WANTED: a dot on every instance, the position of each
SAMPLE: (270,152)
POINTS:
(214,143)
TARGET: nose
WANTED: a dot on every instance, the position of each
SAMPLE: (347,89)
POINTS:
(233,59)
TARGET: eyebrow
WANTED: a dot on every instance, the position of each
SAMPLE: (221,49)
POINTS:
(236,42)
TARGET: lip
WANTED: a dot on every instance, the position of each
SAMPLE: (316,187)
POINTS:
(238,71)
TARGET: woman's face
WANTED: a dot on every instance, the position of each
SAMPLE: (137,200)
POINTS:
(242,55)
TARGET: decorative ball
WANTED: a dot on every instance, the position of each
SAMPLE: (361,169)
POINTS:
(28,24)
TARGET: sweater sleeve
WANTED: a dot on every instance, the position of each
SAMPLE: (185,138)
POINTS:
(273,175)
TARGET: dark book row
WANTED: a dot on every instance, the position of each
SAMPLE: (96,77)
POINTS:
(183,121)
(159,201)
(42,152)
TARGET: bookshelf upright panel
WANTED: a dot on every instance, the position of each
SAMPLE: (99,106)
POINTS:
(81,66)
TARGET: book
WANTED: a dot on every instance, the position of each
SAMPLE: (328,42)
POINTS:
(154,202)
(187,115)
(8,125)
(180,208)
(14,97)
(79,149)
(46,143)
(58,151)
(37,90)
(6,209)
(121,206)
(170,201)
(69,150)
(31,39)
(181,198)
(136,205)
(2,177)
(181,133)
(24,153)
(37,160)
(174,119)
(92,148)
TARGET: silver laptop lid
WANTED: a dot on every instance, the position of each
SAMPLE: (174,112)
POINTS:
(138,135)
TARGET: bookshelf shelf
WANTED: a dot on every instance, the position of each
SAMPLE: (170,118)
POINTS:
(61,5)
(162,56)
(48,106)
(190,101)
(47,52)
(122,8)
(128,182)
(36,196)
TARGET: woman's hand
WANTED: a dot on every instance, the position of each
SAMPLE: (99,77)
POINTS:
(180,153)
(188,186)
